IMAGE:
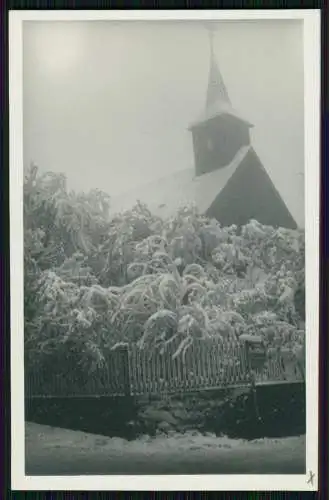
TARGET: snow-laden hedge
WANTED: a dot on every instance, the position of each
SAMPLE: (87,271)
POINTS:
(94,279)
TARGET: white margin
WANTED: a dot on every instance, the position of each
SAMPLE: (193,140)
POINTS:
(19,480)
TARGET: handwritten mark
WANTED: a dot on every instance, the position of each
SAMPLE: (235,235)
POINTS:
(310,477)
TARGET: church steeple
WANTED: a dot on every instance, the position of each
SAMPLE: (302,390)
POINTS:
(216,93)
(220,132)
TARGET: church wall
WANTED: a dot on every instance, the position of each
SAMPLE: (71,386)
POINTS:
(250,194)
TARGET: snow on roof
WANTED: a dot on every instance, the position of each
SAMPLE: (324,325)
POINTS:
(216,109)
(165,196)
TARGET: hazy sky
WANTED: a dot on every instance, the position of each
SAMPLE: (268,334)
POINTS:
(109,103)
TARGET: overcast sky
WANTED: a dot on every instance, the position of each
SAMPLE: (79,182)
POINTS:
(108,103)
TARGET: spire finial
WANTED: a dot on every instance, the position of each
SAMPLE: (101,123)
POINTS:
(211,30)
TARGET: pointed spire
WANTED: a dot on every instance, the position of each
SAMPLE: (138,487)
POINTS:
(216,92)
(217,101)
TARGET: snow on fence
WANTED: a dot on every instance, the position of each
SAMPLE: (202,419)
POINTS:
(207,364)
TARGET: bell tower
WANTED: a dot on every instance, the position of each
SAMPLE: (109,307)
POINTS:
(220,132)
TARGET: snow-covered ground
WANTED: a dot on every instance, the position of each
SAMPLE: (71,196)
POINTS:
(53,451)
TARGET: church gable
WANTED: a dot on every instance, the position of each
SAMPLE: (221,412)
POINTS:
(250,194)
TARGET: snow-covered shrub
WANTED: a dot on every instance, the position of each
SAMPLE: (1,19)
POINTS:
(94,279)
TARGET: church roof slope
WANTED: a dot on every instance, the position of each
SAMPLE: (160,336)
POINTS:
(165,196)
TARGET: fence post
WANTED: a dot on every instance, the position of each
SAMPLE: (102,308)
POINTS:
(246,348)
(124,358)
(250,342)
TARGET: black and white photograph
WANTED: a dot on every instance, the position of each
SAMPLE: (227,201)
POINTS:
(164,177)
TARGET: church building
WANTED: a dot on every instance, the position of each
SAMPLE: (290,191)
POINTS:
(228,181)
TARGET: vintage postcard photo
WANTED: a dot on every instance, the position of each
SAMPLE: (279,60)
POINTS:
(164,194)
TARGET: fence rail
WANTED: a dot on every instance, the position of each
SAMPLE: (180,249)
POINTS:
(131,371)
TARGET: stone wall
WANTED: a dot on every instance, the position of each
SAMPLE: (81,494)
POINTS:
(274,411)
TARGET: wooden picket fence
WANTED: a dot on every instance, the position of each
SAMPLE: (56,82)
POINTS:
(207,364)
(131,371)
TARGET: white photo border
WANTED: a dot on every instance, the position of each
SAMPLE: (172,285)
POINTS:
(312,64)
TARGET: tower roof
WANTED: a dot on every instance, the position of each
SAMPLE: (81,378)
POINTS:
(217,100)
(216,92)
